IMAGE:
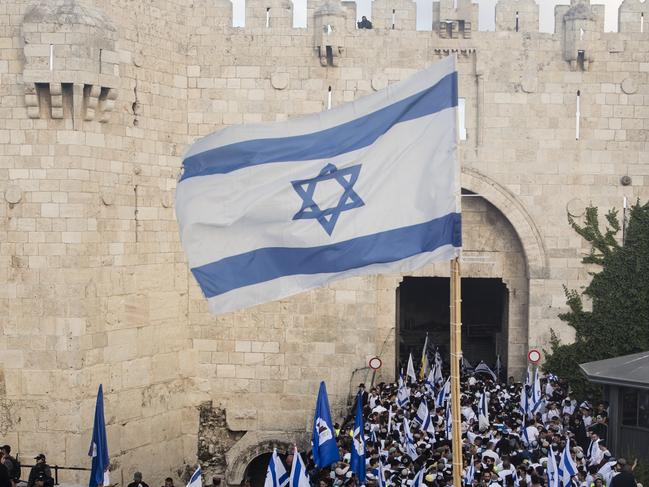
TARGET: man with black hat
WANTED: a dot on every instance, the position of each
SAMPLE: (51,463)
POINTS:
(40,469)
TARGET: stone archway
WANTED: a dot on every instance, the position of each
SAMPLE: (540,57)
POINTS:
(521,264)
(256,443)
(523,224)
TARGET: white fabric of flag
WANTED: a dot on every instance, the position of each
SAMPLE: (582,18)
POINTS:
(470,473)
(403,393)
(409,441)
(567,466)
(537,397)
(423,417)
(418,481)
(552,470)
(299,476)
(276,475)
(410,371)
(483,412)
(266,211)
(196,478)
(443,394)
(438,367)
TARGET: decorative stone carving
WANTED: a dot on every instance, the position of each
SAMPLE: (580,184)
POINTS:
(629,86)
(529,83)
(108,198)
(13,195)
(576,207)
(279,81)
(379,81)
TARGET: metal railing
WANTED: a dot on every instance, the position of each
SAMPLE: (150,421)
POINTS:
(55,469)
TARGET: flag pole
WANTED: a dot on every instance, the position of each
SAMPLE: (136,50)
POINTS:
(456,335)
(456,355)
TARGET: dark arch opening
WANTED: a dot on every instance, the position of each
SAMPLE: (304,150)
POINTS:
(256,470)
(423,307)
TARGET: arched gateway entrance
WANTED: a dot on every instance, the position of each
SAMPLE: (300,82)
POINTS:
(503,257)
(494,294)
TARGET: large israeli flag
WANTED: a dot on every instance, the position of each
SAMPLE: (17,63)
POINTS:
(269,210)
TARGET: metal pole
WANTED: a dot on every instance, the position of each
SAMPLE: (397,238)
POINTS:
(455,356)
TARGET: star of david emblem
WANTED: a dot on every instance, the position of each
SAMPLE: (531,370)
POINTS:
(349,199)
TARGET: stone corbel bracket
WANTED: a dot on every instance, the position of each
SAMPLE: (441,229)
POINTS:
(71,65)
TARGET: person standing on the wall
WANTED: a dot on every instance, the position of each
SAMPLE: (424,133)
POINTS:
(364,23)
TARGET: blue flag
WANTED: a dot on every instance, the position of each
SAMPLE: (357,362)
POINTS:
(99,446)
(325,450)
(358,442)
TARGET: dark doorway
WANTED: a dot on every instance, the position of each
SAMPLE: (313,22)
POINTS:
(256,470)
(423,306)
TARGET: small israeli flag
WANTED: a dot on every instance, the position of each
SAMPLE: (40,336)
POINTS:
(442,395)
(567,466)
(423,417)
(418,481)
(299,476)
(470,473)
(276,475)
(409,441)
(552,469)
(196,479)
(403,393)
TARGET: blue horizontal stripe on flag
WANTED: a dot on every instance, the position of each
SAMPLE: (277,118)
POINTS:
(346,137)
(270,263)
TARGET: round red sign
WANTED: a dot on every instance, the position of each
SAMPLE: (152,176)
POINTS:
(375,363)
(534,356)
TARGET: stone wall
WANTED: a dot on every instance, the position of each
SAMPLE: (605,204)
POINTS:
(98,100)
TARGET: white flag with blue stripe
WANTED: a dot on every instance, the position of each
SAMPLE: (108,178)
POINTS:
(196,479)
(276,475)
(270,210)
(567,466)
(299,476)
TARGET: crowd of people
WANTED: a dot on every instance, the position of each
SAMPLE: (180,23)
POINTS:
(40,474)
(532,434)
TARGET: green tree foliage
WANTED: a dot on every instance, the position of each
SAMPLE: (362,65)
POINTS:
(619,321)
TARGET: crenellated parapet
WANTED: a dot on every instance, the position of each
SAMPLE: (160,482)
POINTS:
(275,14)
(395,14)
(517,16)
(71,67)
(633,17)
